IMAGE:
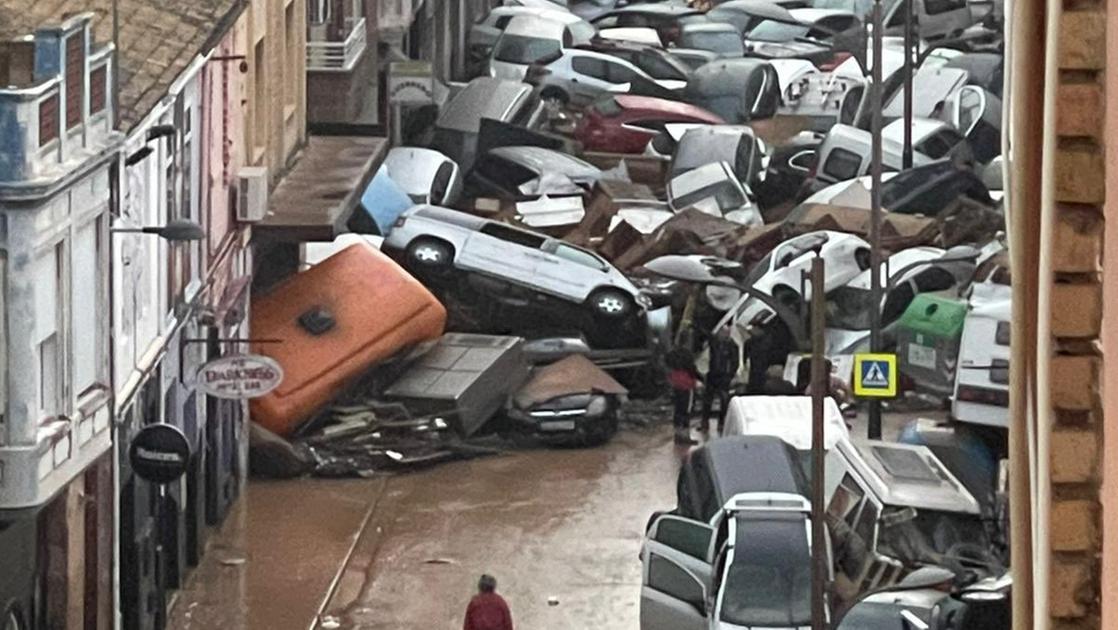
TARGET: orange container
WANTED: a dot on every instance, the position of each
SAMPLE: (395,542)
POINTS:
(335,321)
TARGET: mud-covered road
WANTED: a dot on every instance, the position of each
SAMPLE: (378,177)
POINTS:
(564,524)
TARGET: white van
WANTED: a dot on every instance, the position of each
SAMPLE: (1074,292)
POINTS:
(982,378)
(846,153)
(528,38)
(789,418)
(932,19)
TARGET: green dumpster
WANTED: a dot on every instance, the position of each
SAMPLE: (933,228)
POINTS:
(928,342)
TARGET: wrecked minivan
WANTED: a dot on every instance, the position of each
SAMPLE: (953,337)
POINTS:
(898,508)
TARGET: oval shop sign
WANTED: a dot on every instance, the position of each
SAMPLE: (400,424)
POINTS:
(240,376)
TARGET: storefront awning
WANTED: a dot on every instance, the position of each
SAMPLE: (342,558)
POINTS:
(316,198)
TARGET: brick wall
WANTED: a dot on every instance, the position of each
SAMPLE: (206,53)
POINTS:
(1075,537)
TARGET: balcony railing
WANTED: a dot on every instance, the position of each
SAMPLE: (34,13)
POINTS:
(338,56)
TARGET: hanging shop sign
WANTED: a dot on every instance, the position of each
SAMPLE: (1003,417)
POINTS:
(159,453)
(240,376)
(410,83)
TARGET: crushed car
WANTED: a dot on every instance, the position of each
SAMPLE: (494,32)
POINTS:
(714,189)
(571,401)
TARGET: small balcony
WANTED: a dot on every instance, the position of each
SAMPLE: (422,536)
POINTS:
(327,55)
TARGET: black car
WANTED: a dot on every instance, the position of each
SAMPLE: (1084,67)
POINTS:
(791,164)
(716,472)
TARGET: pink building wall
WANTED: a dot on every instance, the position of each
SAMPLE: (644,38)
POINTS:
(223,123)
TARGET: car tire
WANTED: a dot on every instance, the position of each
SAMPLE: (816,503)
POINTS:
(555,94)
(430,254)
(610,303)
(598,433)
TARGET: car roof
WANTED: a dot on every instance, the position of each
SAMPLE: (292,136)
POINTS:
(654,8)
(484,97)
(754,463)
(698,178)
(896,262)
(811,15)
(446,215)
(542,160)
(708,27)
(908,475)
(538,26)
(651,103)
(788,418)
(921,128)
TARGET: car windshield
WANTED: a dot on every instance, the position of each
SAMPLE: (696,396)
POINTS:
(772,31)
(849,308)
(722,42)
(524,50)
(769,582)
(725,193)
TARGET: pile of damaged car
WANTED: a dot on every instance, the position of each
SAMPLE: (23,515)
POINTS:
(506,282)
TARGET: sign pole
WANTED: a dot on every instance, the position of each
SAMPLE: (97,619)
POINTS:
(819,380)
(909,52)
(874,425)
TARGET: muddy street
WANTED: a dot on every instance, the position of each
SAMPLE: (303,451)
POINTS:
(563,524)
(405,552)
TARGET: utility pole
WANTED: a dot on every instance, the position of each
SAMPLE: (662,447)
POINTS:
(819,379)
(874,428)
(909,54)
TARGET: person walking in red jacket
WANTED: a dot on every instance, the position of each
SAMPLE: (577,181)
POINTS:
(487,610)
(684,379)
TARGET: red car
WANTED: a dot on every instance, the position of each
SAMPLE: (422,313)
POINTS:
(625,123)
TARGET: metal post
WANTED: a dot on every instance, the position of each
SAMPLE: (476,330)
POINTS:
(906,160)
(819,379)
(874,427)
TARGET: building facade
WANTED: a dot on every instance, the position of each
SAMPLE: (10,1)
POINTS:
(57,151)
(226,125)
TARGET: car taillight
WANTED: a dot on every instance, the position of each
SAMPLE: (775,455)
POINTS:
(983,396)
(834,61)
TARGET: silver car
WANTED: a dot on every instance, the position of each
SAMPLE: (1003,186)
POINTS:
(435,239)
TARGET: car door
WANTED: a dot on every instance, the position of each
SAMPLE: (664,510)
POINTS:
(589,78)
(675,575)
(569,271)
(503,251)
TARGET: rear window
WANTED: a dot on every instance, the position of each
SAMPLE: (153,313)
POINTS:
(842,165)
(524,50)
(607,107)
(936,7)
(723,43)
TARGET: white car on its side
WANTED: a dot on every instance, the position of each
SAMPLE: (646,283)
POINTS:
(529,38)
(436,240)
(780,274)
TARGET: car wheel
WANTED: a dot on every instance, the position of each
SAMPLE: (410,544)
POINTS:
(611,303)
(430,254)
(600,432)
(555,95)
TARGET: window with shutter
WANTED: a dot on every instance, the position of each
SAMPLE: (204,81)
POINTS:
(75,79)
(97,90)
(48,120)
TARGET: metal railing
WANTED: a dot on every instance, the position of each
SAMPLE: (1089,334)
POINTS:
(338,56)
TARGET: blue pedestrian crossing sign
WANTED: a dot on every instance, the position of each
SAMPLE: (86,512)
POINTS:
(875,375)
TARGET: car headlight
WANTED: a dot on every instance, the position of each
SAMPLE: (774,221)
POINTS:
(598,406)
(644,300)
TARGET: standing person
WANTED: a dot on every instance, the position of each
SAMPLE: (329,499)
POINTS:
(487,610)
(769,346)
(683,378)
(724,363)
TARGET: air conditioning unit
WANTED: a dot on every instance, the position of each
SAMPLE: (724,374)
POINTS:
(252,194)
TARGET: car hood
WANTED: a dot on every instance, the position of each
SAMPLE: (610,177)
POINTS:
(507,71)
(781,50)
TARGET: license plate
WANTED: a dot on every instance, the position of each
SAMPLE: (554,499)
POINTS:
(558,425)
(922,356)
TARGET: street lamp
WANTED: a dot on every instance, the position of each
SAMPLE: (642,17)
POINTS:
(176,230)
